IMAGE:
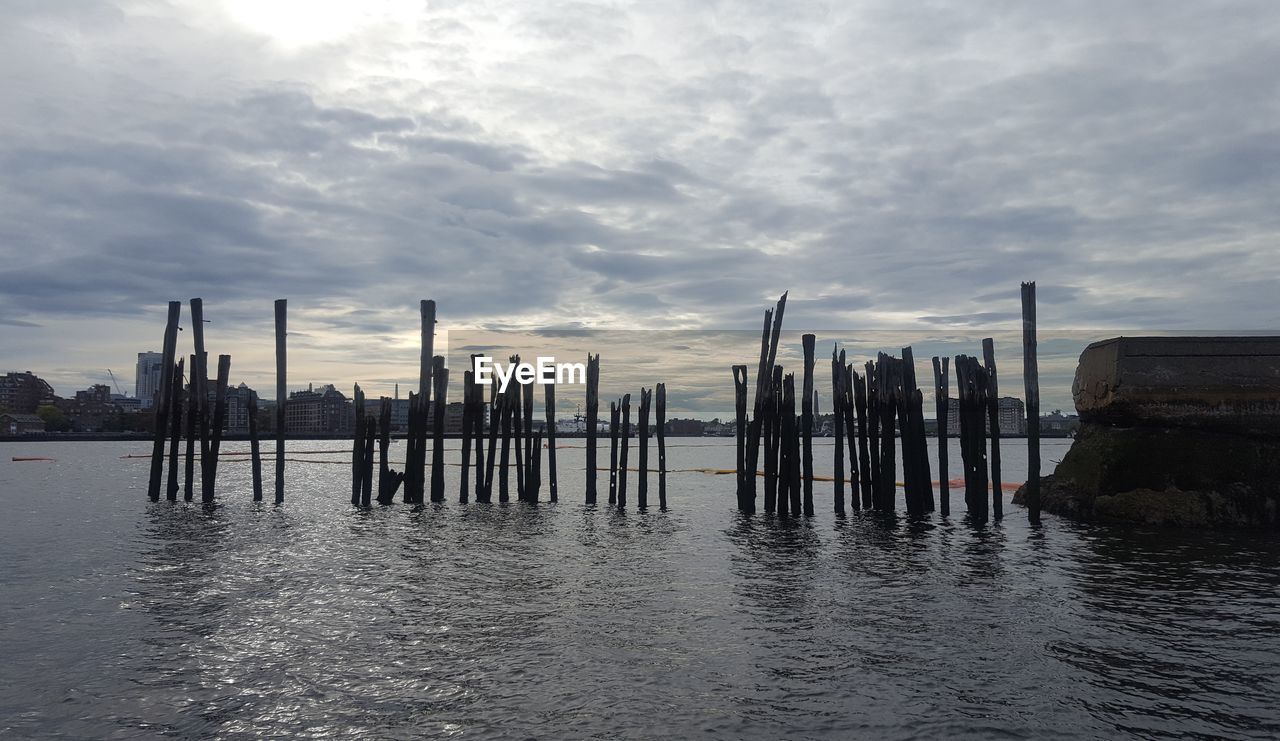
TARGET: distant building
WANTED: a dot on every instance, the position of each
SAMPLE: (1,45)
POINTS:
(685,427)
(322,412)
(149,375)
(1057,423)
(23,393)
(237,419)
(1013,417)
(20,424)
(91,410)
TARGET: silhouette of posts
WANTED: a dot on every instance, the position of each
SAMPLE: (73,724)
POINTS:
(660,411)
(1031,382)
(993,421)
(495,427)
(549,411)
(865,470)
(255,449)
(440,382)
(941,402)
(772,437)
(468,391)
(209,455)
(642,476)
(740,416)
(388,480)
(281,392)
(806,423)
(614,417)
(593,420)
(370,427)
(626,443)
(162,401)
(357,445)
(192,414)
(175,430)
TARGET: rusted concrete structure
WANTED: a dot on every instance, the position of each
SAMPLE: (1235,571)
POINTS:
(1174,431)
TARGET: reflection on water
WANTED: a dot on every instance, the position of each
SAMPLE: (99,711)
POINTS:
(128,618)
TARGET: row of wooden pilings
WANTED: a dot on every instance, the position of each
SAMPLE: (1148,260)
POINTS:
(204,424)
(871,412)
(510,430)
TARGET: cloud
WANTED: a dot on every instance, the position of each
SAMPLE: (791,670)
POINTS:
(668,165)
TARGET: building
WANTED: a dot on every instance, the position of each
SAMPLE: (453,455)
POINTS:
(322,412)
(1057,424)
(1013,417)
(24,393)
(237,419)
(149,376)
(92,410)
(20,424)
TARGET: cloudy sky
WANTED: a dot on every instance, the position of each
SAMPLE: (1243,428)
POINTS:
(649,165)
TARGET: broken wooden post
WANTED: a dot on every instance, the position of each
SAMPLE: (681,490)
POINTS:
(865,450)
(255,449)
(162,400)
(175,430)
(549,411)
(873,431)
(357,445)
(209,459)
(535,466)
(388,480)
(773,486)
(478,414)
(593,422)
(850,428)
(614,412)
(516,402)
(993,414)
(761,408)
(886,380)
(837,424)
(791,448)
(440,384)
(740,417)
(192,411)
(660,408)
(495,426)
(941,402)
(370,427)
(626,443)
(532,453)
(281,393)
(642,477)
(468,391)
(504,461)
(806,422)
(1031,382)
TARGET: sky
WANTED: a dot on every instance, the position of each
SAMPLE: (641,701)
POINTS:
(656,166)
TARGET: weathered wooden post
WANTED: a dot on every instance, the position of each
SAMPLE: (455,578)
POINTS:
(549,411)
(1031,381)
(414,467)
(175,431)
(192,413)
(504,461)
(660,406)
(791,444)
(837,424)
(593,422)
(162,401)
(370,427)
(468,391)
(740,417)
(626,443)
(865,451)
(941,402)
(532,453)
(850,428)
(477,429)
(440,382)
(357,445)
(255,448)
(771,430)
(388,480)
(200,379)
(495,426)
(873,430)
(761,407)
(642,476)
(806,422)
(614,412)
(281,393)
(209,460)
(993,413)
(516,402)
(887,378)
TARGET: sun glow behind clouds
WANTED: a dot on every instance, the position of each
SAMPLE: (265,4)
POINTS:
(298,23)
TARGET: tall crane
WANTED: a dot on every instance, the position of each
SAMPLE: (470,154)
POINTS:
(113,380)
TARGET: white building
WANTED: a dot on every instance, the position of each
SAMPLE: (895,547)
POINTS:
(148,377)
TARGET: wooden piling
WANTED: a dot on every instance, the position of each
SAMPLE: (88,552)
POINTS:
(740,418)
(162,401)
(614,413)
(440,388)
(468,391)
(504,459)
(593,422)
(791,444)
(209,460)
(190,464)
(495,426)
(370,427)
(660,407)
(888,402)
(642,475)
(1031,383)
(532,453)
(762,402)
(200,379)
(864,450)
(175,431)
(850,419)
(837,424)
(993,421)
(549,411)
(281,393)
(478,414)
(389,480)
(941,402)
(770,433)
(255,448)
(622,458)
(873,432)
(357,445)
(806,422)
